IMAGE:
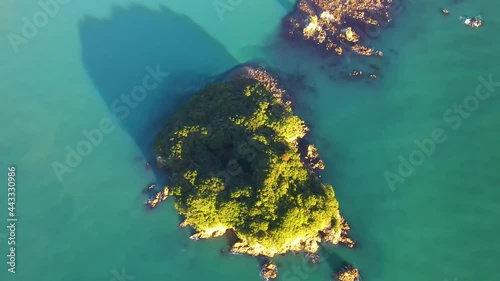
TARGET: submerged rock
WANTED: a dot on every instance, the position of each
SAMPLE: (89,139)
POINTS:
(313,258)
(356,73)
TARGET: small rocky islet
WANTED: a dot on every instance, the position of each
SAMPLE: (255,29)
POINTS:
(348,273)
(156,195)
(341,29)
(238,160)
(269,271)
(339,26)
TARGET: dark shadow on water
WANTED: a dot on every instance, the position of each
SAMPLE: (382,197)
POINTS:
(116,53)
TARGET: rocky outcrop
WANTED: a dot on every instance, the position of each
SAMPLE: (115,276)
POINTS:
(348,273)
(338,234)
(159,197)
(312,157)
(209,233)
(269,271)
(361,74)
(339,26)
(310,244)
(184,223)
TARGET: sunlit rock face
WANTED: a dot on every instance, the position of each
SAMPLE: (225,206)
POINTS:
(340,26)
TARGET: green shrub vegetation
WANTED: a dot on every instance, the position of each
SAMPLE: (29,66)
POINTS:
(232,155)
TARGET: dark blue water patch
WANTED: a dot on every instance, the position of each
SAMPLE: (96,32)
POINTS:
(177,55)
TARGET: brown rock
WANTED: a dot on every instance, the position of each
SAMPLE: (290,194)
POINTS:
(312,157)
(348,273)
(160,196)
(334,236)
(303,244)
(209,233)
(269,271)
(338,26)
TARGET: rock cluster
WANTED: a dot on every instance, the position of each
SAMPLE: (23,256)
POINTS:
(333,236)
(310,244)
(269,271)
(348,273)
(338,26)
(159,197)
(359,74)
(208,233)
(312,158)
(356,73)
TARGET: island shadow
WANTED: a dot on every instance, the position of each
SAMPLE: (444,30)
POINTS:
(119,52)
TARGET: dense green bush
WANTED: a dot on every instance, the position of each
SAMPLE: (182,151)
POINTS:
(232,155)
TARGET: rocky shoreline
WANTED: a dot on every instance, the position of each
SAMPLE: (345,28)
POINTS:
(339,27)
(336,233)
(339,237)
(312,159)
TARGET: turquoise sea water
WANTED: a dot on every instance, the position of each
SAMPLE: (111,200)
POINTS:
(89,224)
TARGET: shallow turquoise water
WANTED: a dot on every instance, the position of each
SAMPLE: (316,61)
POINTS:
(439,224)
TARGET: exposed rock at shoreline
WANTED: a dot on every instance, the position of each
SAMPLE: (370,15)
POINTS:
(269,271)
(338,234)
(209,233)
(339,26)
(159,197)
(348,273)
(312,157)
(301,244)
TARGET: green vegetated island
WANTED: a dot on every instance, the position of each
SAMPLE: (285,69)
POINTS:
(238,161)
